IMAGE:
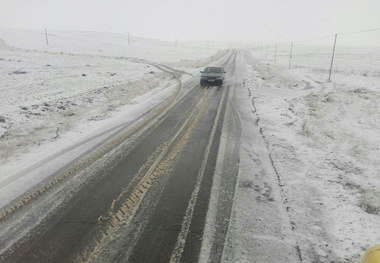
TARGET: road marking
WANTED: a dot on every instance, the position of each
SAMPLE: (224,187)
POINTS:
(156,167)
(125,210)
(181,240)
(209,229)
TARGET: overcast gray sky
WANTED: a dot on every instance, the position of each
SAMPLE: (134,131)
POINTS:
(278,20)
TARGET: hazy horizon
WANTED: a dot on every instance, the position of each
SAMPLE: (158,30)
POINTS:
(243,20)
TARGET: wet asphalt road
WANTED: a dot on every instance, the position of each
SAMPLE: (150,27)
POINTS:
(151,204)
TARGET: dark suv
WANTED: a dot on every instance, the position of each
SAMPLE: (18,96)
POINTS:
(212,76)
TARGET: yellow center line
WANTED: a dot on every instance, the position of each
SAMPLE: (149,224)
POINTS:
(127,209)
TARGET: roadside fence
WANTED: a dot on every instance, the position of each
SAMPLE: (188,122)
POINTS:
(357,52)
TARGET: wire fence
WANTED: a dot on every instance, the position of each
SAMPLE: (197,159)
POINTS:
(356,52)
(134,40)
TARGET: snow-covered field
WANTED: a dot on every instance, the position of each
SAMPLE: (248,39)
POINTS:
(46,94)
(324,141)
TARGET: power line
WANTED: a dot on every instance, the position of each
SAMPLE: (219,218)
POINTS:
(363,31)
(314,39)
(332,35)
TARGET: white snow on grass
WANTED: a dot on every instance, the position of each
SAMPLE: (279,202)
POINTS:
(54,92)
(324,140)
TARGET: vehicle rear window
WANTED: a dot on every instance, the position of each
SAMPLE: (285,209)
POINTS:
(213,70)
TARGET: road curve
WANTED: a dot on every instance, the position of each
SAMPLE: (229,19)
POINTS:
(146,201)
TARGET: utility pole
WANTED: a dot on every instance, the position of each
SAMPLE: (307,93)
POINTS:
(47,42)
(332,58)
(291,51)
(275,53)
